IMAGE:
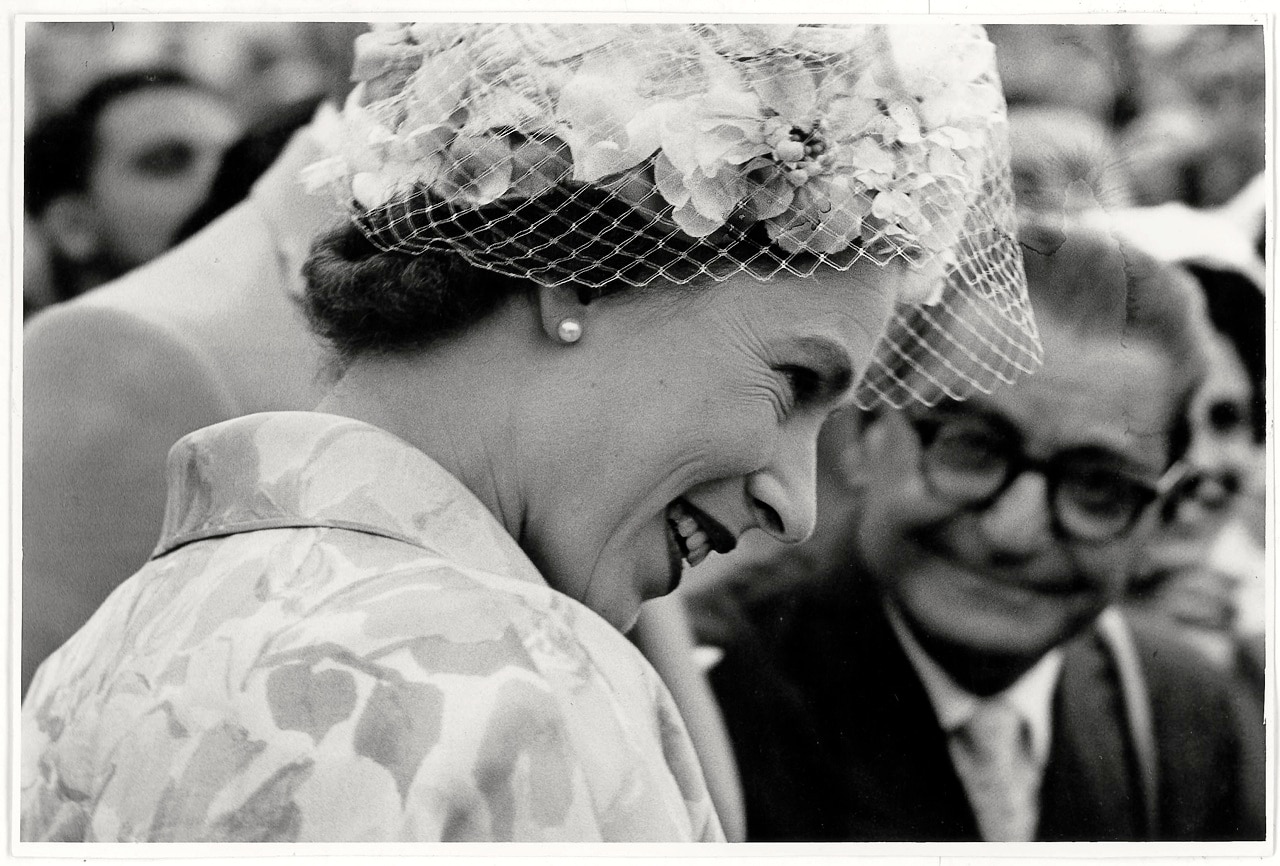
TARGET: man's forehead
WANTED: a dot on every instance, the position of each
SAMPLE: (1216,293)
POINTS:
(1090,393)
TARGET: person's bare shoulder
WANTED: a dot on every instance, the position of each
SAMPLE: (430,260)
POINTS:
(223,296)
(105,396)
(104,364)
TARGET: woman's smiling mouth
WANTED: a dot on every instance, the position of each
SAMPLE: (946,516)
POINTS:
(694,535)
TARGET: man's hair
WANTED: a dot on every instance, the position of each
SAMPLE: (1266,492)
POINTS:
(1055,149)
(1099,288)
(61,148)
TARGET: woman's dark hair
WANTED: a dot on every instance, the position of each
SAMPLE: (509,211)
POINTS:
(364,300)
(1127,71)
(1237,310)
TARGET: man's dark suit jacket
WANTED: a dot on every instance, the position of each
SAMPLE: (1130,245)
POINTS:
(836,738)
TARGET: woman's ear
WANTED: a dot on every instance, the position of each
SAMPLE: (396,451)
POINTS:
(71,225)
(563,313)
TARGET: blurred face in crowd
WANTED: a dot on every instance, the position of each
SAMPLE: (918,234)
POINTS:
(267,66)
(1226,459)
(156,154)
(1222,439)
(995,584)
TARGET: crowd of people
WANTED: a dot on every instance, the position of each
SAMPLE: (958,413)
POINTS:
(398,402)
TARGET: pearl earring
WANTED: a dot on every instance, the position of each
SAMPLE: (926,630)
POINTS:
(569,330)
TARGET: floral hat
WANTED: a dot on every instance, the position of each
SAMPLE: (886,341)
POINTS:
(599,153)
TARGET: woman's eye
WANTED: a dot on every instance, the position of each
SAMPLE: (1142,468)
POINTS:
(165,160)
(805,384)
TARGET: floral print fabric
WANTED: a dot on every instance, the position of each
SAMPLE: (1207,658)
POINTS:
(335,641)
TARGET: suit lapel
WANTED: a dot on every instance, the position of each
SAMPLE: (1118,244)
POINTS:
(1088,792)
(898,780)
(869,758)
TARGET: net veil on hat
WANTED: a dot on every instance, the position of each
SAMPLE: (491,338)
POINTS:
(599,154)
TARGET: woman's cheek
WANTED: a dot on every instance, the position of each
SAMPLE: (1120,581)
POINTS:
(731,432)
(756,442)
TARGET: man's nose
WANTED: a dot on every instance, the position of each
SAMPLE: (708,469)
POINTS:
(1019,524)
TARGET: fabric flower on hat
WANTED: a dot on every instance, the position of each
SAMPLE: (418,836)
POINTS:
(745,147)
(601,116)
(385,57)
(830,137)
(367,154)
(706,140)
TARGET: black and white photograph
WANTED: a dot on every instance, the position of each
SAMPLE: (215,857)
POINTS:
(628,429)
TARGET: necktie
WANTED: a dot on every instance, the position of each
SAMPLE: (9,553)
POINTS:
(992,752)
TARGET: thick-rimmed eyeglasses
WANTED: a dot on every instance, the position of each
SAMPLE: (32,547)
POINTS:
(971,461)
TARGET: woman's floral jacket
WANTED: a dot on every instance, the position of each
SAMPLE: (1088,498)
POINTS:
(335,641)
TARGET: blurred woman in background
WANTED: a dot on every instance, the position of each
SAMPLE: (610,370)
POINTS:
(1205,572)
(111,180)
(257,72)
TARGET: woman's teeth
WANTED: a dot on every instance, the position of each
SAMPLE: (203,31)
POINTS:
(693,541)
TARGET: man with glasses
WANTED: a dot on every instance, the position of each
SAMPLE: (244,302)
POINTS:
(957,671)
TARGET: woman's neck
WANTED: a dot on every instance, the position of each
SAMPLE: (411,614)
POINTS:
(452,402)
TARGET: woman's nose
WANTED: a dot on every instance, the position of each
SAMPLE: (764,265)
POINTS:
(1019,524)
(783,495)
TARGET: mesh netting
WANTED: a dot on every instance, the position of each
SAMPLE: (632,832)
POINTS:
(979,332)
(605,154)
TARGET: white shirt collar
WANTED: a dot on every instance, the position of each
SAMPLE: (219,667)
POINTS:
(1031,694)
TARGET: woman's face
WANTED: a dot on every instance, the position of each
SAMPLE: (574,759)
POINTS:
(684,418)
(1222,429)
(1222,448)
(158,151)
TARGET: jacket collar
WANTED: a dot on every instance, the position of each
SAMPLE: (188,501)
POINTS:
(1031,695)
(280,470)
